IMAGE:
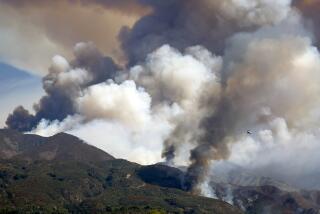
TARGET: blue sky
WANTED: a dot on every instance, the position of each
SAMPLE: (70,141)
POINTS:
(17,87)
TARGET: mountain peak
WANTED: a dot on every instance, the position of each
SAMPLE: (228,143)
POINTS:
(61,147)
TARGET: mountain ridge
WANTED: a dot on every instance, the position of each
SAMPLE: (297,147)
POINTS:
(77,180)
(61,146)
(68,175)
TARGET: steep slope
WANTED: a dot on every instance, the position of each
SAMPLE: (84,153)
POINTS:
(62,174)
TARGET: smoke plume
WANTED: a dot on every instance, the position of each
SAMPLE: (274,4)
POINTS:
(62,84)
(205,81)
(32,32)
(182,24)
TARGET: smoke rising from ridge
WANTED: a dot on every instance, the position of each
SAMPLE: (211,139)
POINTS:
(200,75)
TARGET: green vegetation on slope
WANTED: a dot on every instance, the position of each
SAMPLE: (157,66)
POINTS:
(105,187)
(72,182)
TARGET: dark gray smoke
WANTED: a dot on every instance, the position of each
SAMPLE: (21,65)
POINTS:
(212,145)
(21,119)
(178,23)
(310,10)
(185,23)
(60,89)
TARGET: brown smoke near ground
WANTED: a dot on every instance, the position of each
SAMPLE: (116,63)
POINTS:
(200,74)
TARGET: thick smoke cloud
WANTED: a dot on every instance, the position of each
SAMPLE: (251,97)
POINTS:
(182,24)
(310,10)
(95,105)
(148,102)
(63,84)
(257,90)
(200,75)
(32,32)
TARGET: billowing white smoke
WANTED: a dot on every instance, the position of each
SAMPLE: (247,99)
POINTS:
(49,128)
(252,12)
(68,78)
(136,114)
(172,77)
(124,103)
(269,78)
(289,155)
(272,70)
(273,80)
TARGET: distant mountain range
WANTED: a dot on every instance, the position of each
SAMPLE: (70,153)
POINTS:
(62,174)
